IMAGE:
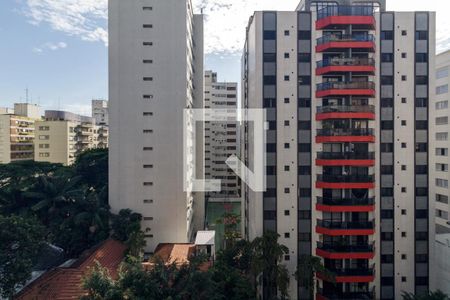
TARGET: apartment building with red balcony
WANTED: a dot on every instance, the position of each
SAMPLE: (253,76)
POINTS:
(345,85)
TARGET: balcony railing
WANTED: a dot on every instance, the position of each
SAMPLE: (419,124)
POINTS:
(345,178)
(354,61)
(346,201)
(345,248)
(345,132)
(357,85)
(329,38)
(353,272)
(345,155)
(343,10)
(346,109)
(345,224)
(331,295)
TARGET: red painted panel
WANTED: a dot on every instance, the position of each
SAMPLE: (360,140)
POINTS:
(345,185)
(349,255)
(345,115)
(345,20)
(345,162)
(345,92)
(342,208)
(365,69)
(320,297)
(338,232)
(345,139)
(346,45)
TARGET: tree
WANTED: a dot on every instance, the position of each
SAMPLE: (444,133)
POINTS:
(92,166)
(232,232)
(125,223)
(100,285)
(20,242)
(267,256)
(308,267)
(437,295)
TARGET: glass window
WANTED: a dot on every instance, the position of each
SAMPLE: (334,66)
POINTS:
(441,120)
(442,73)
(442,198)
(387,35)
(442,89)
(442,183)
(442,136)
(442,104)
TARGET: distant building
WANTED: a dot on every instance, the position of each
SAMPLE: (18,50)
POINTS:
(16,138)
(442,263)
(100,112)
(29,110)
(6,111)
(64,135)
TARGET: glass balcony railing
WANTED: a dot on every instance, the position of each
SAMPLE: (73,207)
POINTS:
(339,248)
(345,224)
(343,10)
(357,85)
(346,201)
(345,178)
(345,38)
(346,109)
(345,132)
(354,61)
(345,155)
(353,272)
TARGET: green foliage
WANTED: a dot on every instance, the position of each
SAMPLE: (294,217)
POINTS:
(20,242)
(437,295)
(308,267)
(92,166)
(125,223)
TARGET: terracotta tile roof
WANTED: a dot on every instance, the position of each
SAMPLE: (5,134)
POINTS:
(66,283)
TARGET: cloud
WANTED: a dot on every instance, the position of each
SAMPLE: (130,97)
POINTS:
(50,46)
(85,19)
(225,20)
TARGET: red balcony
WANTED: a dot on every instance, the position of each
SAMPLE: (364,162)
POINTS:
(339,228)
(329,181)
(345,135)
(337,251)
(339,65)
(357,88)
(366,159)
(345,112)
(334,294)
(338,42)
(345,204)
(334,16)
(351,275)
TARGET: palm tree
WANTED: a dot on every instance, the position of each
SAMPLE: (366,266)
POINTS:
(306,274)
(437,295)
(267,256)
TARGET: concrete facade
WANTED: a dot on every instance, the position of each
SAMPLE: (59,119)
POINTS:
(155,72)
(16,138)
(346,90)
(100,112)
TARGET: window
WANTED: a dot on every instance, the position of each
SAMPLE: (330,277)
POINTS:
(44,137)
(403,234)
(403,279)
(387,258)
(148,183)
(422,57)
(304,80)
(387,192)
(387,214)
(270,215)
(403,100)
(404,32)
(148,78)
(442,104)
(270,170)
(147,8)
(147,26)
(387,169)
(305,193)
(287,212)
(286,168)
(421,125)
(304,215)
(403,167)
(147,96)
(442,73)
(287,235)
(443,183)
(441,151)
(304,237)
(387,80)
(388,281)
(286,78)
(387,236)
(387,125)
(147,201)
(286,146)
(271,147)
(147,166)
(286,100)
(270,80)
(44,128)
(286,32)
(270,57)
(441,120)
(148,113)
(421,258)
(147,61)
(148,130)
(303,102)
(44,146)
(421,102)
(421,192)
(422,80)
(442,198)
(304,57)
(269,102)
(304,170)
(270,34)
(387,147)
(442,167)
(403,145)
(304,147)
(286,55)
(304,125)
(404,212)
(403,122)
(147,43)
(387,35)
(442,89)
(148,218)
(404,77)
(421,169)
(387,102)
(441,214)
(286,123)
(387,57)
(421,35)
(421,147)
(403,189)
(304,35)
(403,54)
(44,154)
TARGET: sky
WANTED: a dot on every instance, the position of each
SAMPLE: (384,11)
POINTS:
(57,49)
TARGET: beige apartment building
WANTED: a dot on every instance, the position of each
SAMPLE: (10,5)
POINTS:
(63,135)
(16,138)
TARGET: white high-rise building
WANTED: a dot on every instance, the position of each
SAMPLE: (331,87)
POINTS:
(100,112)
(155,72)
(347,88)
(439,134)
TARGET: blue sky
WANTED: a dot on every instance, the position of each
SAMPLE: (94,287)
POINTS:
(58,48)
